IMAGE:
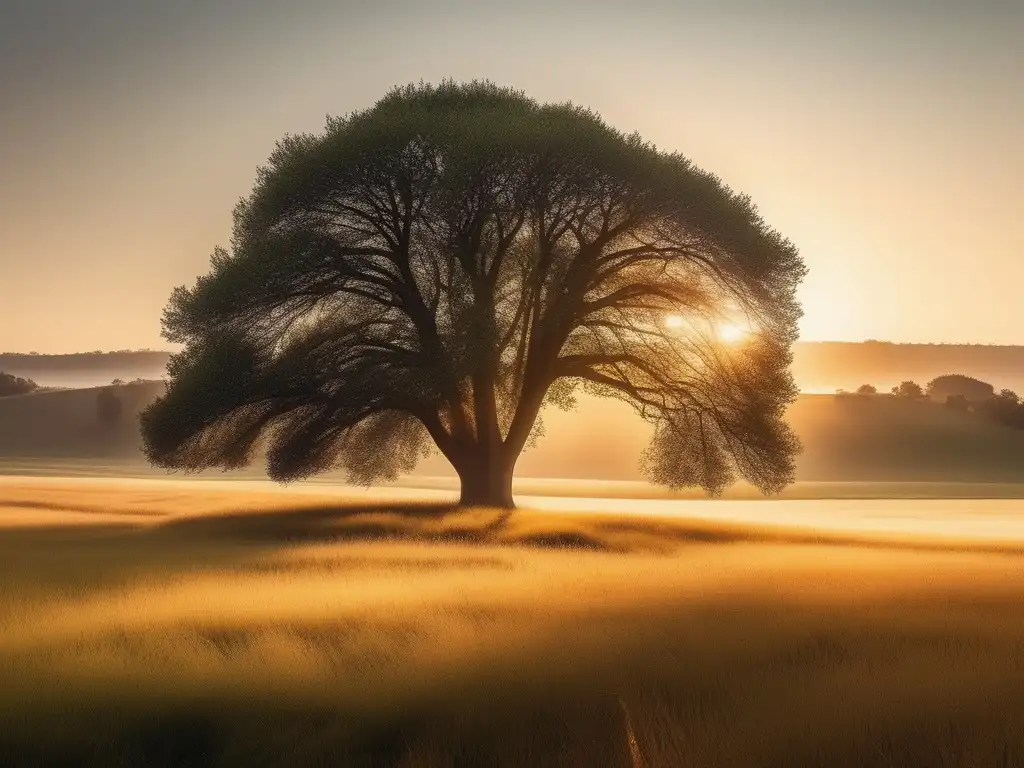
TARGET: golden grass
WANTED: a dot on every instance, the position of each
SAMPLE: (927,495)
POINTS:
(158,623)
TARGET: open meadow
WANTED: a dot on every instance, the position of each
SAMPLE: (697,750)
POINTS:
(511,385)
(157,622)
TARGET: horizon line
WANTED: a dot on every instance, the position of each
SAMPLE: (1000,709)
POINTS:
(880,342)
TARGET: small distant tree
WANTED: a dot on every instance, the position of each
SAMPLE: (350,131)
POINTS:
(1007,397)
(15,385)
(108,407)
(866,390)
(1005,408)
(910,390)
(117,383)
(972,390)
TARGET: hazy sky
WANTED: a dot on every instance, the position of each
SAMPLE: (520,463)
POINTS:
(886,139)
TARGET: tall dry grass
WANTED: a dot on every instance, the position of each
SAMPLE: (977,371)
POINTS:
(169,624)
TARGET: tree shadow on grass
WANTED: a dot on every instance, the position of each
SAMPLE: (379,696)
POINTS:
(408,522)
(301,524)
(82,558)
(435,523)
(447,523)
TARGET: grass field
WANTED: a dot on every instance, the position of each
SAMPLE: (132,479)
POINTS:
(192,624)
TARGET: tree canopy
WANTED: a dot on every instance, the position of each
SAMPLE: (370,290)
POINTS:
(908,389)
(433,270)
(958,385)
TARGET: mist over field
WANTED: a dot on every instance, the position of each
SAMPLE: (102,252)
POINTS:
(85,369)
(818,367)
(877,440)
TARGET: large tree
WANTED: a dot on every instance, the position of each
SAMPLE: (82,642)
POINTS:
(439,267)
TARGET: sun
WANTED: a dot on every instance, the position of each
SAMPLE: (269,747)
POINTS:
(725,332)
(731,333)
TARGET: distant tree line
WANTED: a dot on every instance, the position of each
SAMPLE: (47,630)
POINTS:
(90,353)
(957,392)
(144,362)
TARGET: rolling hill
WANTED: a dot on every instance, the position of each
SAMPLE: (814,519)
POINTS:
(64,424)
(828,366)
(85,369)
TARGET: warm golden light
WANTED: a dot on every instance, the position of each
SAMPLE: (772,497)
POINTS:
(725,332)
(731,333)
(674,321)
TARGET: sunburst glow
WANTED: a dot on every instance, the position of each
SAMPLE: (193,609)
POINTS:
(731,333)
(726,331)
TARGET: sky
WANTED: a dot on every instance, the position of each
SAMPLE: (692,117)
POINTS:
(884,138)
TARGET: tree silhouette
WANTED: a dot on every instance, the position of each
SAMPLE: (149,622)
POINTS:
(1005,408)
(1008,397)
(867,390)
(439,267)
(15,385)
(908,389)
(971,389)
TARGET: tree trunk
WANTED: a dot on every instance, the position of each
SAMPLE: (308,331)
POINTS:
(486,479)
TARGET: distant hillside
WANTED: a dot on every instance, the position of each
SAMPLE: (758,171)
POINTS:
(846,439)
(65,424)
(817,366)
(888,439)
(86,369)
(828,366)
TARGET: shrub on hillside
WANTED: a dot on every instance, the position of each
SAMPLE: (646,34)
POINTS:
(15,385)
(910,390)
(1007,397)
(1004,408)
